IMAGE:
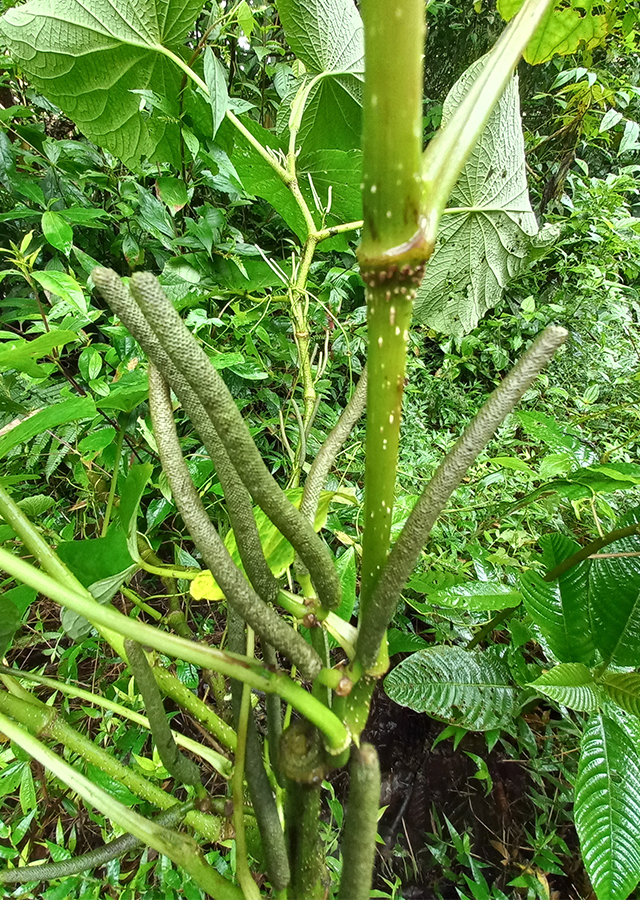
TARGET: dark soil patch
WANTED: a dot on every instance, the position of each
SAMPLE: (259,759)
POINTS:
(421,786)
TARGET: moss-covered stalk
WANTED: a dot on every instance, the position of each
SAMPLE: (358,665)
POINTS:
(392,252)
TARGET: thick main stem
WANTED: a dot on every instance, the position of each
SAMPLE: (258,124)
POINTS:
(392,252)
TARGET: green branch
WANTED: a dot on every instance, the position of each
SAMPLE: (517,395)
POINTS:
(94,858)
(245,670)
(590,549)
(169,685)
(43,721)
(447,477)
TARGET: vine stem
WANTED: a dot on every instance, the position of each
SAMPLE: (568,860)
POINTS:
(218,762)
(248,885)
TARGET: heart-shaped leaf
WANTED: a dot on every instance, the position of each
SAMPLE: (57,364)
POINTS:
(89,58)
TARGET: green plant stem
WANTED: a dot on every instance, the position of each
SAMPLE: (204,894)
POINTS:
(249,887)
(170,685)
(448,476)
(489,626)
(43,721)
(139,602)
(590,549)
(334,441)
(236,589)
(180,848)
(388,319)
(122,427)
(183,769)
(299,307)
(94,858)
(218,762)
(245,670)
(392,252)
(361,824)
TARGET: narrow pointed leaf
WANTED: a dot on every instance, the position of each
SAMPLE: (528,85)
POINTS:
(560,608)
(570,684)
(471,689)
(607,808)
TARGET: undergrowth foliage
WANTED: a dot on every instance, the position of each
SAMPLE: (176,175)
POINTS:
(189,340)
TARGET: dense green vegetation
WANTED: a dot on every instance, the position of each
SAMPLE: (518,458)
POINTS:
(222,149)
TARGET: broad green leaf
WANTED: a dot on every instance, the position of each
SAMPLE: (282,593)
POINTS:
(486,233)
(624,689)
(102,565)
(607,808)
(9,623)
(127,393)
(564,28)
(472,689)
(346,569)
(245,19)
(21,355)
(62,285)
(216,80)
(74,410)
(257,176)
(89,58)
(327,36)
(334,178)
(561,608)
(476,595)
(173,192)
(130,497)
(57,231)
(614,598)
(558,438)
(278,552)
(570,684)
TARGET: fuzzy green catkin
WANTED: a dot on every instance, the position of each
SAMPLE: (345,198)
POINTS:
(191,360)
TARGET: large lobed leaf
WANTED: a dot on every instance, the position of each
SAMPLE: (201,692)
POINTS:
(327,36)
(472,689)
(88,58)
(561,608)
(486,233)
(607,807)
